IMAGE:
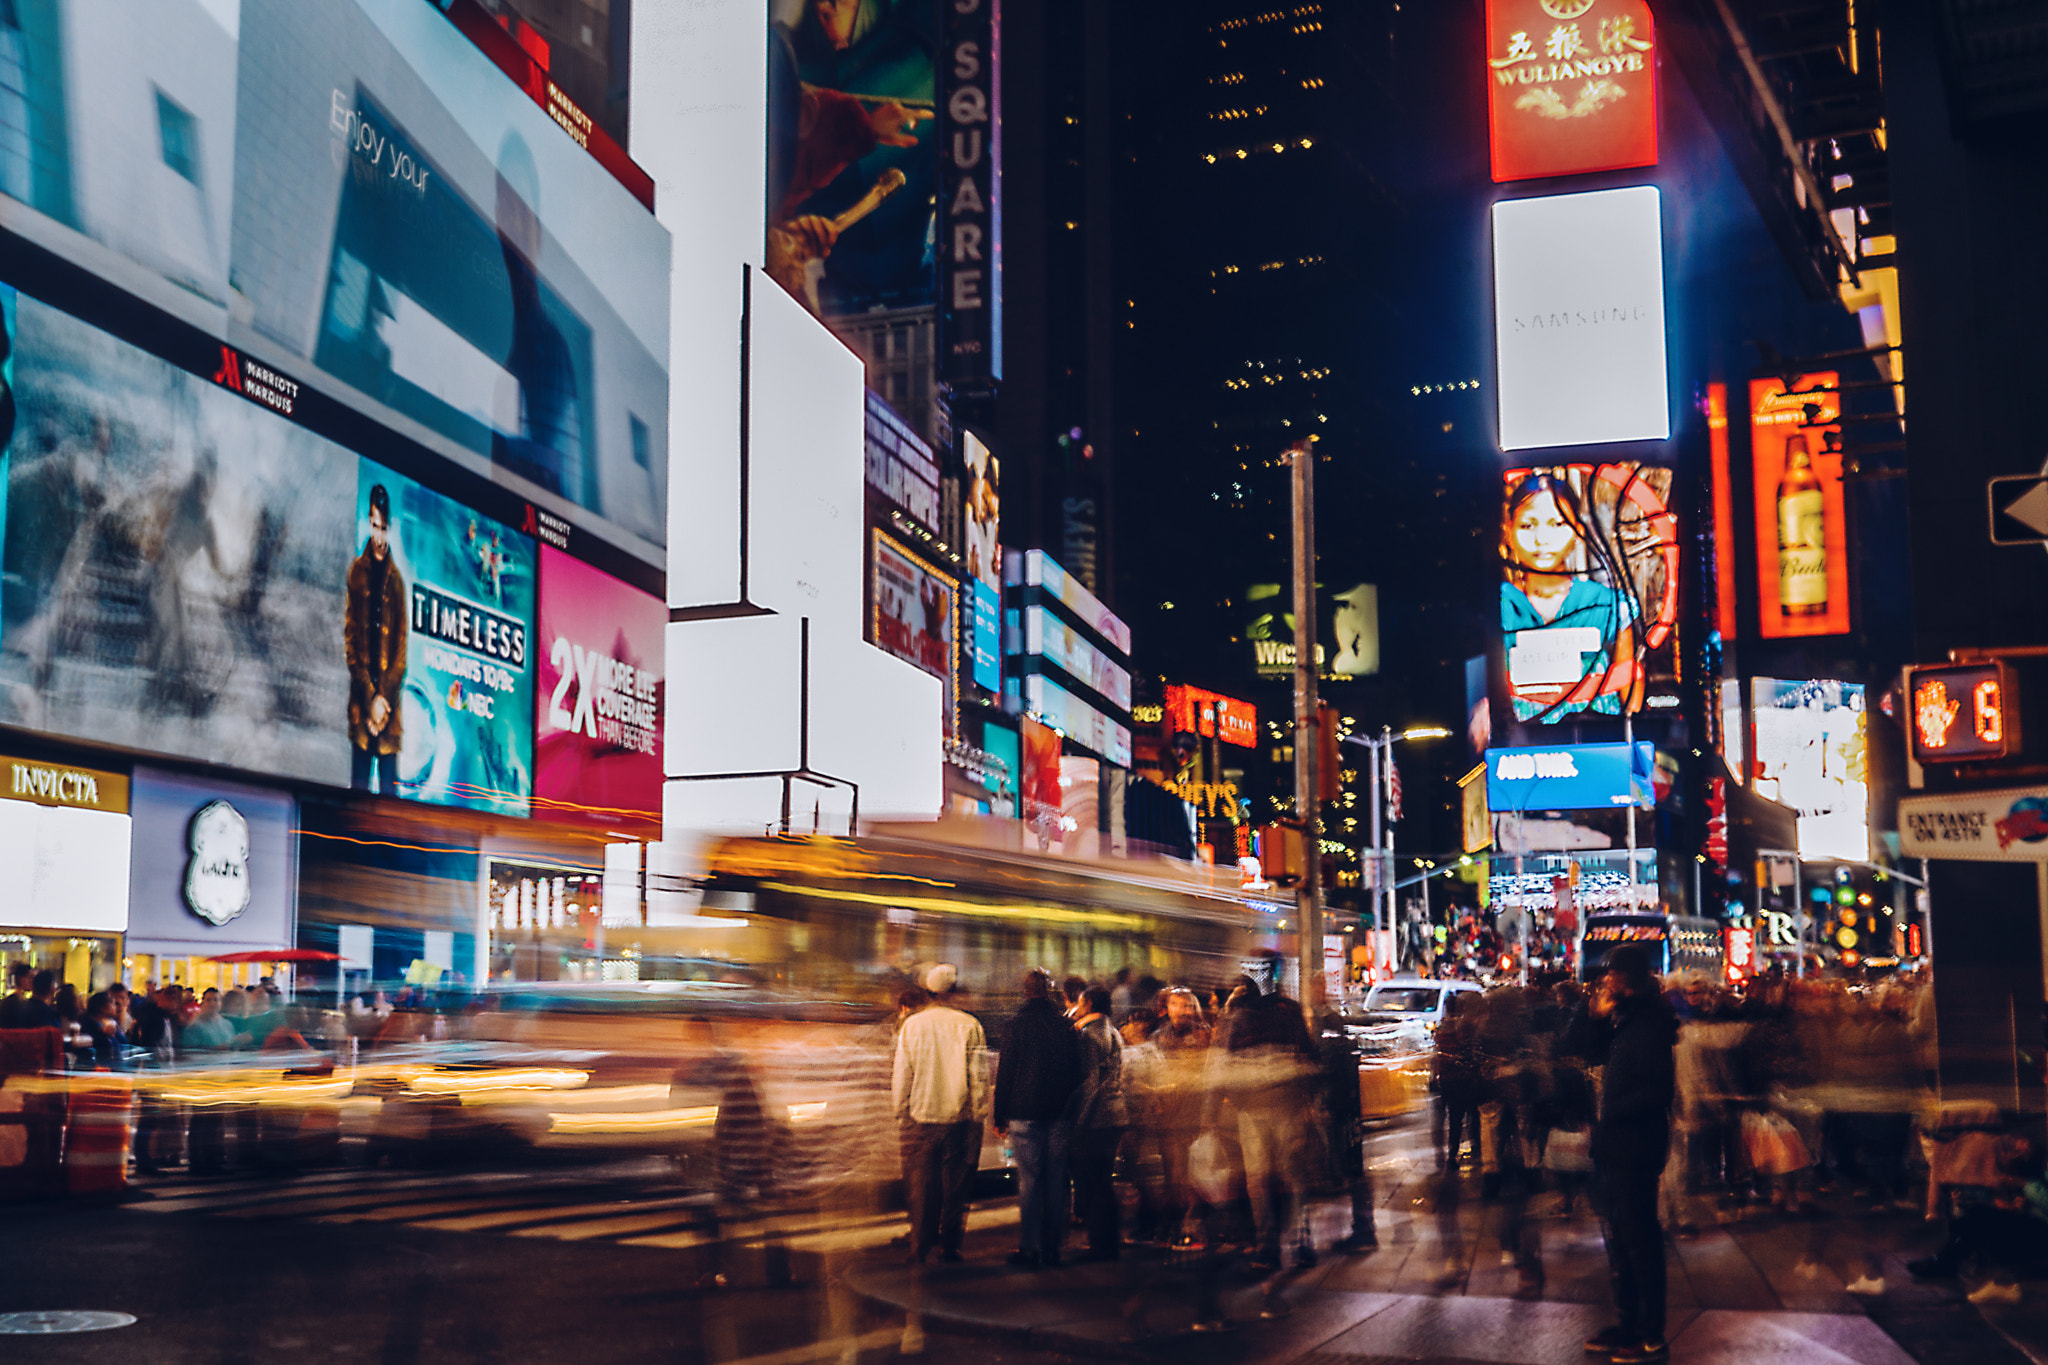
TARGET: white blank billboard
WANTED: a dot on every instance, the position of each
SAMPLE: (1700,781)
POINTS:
(1578,288)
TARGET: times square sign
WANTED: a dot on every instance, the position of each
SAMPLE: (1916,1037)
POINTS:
(1571,86)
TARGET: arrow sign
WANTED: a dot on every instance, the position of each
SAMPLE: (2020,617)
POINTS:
(2018,507)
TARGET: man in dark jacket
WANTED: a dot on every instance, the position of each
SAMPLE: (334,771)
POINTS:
(1631,1032)
(373,637)
(1037,1074)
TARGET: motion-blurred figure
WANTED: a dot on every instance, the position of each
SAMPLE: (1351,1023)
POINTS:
(939,1092)
(1036,1077)
(1262,1063)
(1101,1118)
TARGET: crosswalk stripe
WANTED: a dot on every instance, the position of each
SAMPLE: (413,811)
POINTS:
(280,1197)
(204,1185)
(406,1212)
(606,1227)
(361,1199)
(485,1221)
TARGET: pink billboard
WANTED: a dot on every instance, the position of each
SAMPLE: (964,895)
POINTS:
(597,722)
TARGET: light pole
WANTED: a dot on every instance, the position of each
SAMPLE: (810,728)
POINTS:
(1308,896)
(1382,753)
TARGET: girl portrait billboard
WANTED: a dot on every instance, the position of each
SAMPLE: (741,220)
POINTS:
(1589,587)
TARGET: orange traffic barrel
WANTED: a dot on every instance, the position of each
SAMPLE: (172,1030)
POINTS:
(96,1140)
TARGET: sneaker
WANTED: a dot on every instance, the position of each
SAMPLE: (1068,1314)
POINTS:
(1991,1291)
(1641,1352)
(1869,1286)
(1605,1341)
(1357,1242)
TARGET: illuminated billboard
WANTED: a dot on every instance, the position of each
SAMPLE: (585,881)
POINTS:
(1077,720)
(1571,86)
(852,154)
(1802,543)
(1053,639)
(1040,570)
(1578,286)
(1724,510)
(1347,631)
(354,187)
(1211,715)
(437,629)
(598,646)
(915,614)
(1811,755)
(1589,589)
(1570,777)
(981,508)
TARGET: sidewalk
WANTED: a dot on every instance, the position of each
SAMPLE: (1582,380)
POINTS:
(1764,1289)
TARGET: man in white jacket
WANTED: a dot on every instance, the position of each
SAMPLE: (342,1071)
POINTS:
(940,1094)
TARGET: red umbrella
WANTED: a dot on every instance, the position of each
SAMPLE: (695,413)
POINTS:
(278,955)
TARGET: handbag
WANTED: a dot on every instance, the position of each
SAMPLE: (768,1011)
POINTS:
(1569,1150)
(1209,1169)
(1774,1145)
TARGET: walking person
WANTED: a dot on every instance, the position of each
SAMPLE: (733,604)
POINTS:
(939,1092)
(1037,1075)
(1264,1063)
(1101,1117)
(1631,1031)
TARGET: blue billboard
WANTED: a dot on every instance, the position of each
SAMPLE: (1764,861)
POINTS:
(1569,777)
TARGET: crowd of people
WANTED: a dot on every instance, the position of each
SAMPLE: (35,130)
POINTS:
(118,1028)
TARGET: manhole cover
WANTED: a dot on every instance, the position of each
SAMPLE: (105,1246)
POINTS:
(50,1324)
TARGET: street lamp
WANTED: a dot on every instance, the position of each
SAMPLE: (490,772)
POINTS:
(1382,776)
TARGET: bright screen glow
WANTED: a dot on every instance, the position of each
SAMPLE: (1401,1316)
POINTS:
(1578,282)
(1810,755)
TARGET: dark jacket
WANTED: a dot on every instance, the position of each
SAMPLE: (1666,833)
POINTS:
(1100,1101)
(1633,1131)
(376,659)
(1040,1066)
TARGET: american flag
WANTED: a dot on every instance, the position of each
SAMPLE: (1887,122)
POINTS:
(1393,786)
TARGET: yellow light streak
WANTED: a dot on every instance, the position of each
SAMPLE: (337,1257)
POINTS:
(652,1121)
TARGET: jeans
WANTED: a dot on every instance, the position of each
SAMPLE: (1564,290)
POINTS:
(360,764)
(1040,1147)
(938,1162)
(1094,1188)
(1271,1135)
(1627,1200)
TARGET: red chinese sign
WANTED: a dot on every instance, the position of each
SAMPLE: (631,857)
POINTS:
(1571,86)
(1192,711)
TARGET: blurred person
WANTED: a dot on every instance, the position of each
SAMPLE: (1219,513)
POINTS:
(1101,1118)
(1263,1062)
(102,1026)
(1344,1108)
(20,978)
(37,1007)
(210,1030)
(287,1032)
(1458,1076)
(207,1129)
(1037,1074)
(2000,1238)
(1175,1102)
(1123,997)
(1072,989)
(1630,1031)
(939,1092)
(70,1009)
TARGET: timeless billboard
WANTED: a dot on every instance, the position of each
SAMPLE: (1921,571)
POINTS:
(438,628)
(1578,286)
(355,187)
(1802,544)
(1589,589)
(599,652)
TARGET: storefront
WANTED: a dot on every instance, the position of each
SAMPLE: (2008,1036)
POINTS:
(213,871)
(64,838)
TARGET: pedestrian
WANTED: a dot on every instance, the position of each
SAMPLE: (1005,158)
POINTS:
(1101,1118)
(1631,1031)
(13,1007)
(1123,997)
(939,1092)
(1345,1112)
(1263,1062)
(1071,990)
(1458,1074)
(1037,1074)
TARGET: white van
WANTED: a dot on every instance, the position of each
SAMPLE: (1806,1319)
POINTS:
(1402,1014)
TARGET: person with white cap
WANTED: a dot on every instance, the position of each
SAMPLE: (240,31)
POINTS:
(940,1093)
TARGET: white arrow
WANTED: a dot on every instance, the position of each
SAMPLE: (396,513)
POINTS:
(2030,509)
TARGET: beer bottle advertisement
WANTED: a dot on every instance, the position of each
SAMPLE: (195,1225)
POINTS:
(1801,537)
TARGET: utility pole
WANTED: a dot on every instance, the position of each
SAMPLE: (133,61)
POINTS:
(1307,718)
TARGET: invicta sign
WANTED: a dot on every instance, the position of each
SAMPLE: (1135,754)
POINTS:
(55,784)
(1571,86)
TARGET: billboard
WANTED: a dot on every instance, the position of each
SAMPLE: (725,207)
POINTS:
(1589,589)
(355,187)
(212,866)
(915,615)
(1192,711)
(1570,777)
(900,467)
(437,625)
(1571,86)
(1802,543)
(970,203)
(1038,787)
(1037,569)
(1724,511)
(599,656)
(1048,636)
(1347,631)
(853,157)
(176,560)
(1578,287)
(1811,755)
(981,510)
(1077,720)
(64,832)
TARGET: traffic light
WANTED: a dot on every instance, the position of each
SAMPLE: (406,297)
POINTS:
(1961,713)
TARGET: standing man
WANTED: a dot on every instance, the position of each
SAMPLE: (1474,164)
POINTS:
(1036,1076)
(1631,1031)
(14,1007)
(940,1096)
(373,642)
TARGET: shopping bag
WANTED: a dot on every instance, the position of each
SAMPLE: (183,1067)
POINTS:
(1209,1169)
(1569,1149)
(1774,1145)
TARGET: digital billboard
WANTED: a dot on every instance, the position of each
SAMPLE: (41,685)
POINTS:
(1724,511)
(1048,636)
(1802,543)
(1193,711)
(599,654)
(353,187)
(1578,286)
(852,153)
(1347,631)
(981,503)
(1811,755)
(915,615)
(1077,720)
(1571,86)
(1569,777)
(1040,570)
(176,560)
(437,628)
(1589,589)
